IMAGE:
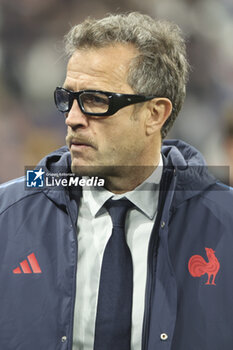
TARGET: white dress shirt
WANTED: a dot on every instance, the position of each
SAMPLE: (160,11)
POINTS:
(94,229)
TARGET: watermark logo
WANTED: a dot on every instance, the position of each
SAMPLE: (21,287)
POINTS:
(40,178)
(35,178)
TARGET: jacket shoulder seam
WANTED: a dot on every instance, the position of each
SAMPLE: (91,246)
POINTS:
(20,199)
(215,201)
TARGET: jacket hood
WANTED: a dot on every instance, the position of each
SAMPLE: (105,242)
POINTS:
(57,161)
(186,162)
(190,169)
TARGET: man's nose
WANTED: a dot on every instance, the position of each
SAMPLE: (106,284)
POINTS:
(75,117)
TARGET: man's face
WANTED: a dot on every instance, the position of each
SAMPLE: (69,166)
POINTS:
(117,140)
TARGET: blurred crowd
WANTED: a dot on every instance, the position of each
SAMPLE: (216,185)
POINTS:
(32,64)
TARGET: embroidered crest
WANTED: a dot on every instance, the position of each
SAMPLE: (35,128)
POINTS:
(198,266)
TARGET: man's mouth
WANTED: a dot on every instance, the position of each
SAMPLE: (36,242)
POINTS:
(76,145)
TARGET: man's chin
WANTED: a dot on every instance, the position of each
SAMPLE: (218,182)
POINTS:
(92,170)
(88,170)
(84,170)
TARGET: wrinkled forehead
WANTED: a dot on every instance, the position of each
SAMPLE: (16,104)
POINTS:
(107,66)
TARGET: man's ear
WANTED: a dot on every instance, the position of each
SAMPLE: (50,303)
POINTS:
(159,109)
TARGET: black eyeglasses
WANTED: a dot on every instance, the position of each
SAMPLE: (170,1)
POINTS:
(94,102)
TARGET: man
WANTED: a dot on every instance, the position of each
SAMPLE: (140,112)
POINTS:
(77,273)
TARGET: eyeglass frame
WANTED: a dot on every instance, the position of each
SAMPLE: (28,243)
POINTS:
(116,100)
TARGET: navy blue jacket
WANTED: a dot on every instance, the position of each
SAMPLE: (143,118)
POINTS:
(189,292)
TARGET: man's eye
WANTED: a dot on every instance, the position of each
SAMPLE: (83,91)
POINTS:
(99,100)
(94,99)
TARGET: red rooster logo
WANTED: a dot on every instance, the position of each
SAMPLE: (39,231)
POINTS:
(198,266)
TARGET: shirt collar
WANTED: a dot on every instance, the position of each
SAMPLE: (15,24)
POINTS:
(144,196)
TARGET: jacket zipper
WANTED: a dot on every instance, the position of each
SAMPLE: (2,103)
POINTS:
(74,289)
(70,338)
(151,263)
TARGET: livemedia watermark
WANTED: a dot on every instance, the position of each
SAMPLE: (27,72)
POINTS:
(193,178)
(39,178)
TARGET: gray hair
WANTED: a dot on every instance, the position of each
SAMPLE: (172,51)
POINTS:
(160,68)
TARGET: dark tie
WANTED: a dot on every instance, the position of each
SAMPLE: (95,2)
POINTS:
(113,319)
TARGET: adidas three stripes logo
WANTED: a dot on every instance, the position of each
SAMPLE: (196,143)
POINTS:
(29,265)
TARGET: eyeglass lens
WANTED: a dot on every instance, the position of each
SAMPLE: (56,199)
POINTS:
(62,100)
(94,102)
(91,102)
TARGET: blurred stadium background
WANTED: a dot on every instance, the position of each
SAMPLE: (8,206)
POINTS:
(32,64)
